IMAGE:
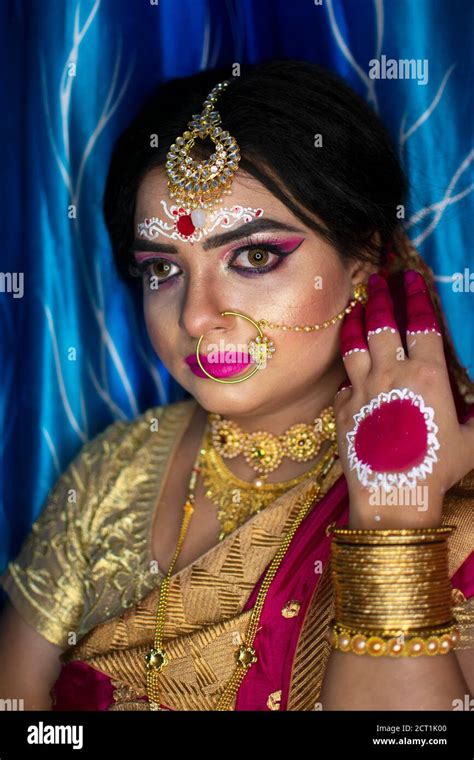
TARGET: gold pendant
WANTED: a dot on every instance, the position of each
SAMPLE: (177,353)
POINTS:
(156,660)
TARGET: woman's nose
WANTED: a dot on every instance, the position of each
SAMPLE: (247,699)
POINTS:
(201,308)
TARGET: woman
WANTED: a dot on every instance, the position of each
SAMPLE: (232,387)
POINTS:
(182,560)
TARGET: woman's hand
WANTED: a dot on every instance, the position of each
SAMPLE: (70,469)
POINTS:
(396,437)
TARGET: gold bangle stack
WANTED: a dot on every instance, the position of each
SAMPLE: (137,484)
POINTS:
(392,592)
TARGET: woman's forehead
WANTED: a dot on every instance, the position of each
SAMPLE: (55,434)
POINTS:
(246,191)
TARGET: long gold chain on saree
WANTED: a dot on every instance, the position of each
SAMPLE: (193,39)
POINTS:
(157,658)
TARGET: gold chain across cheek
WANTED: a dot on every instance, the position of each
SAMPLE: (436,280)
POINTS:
(360,295)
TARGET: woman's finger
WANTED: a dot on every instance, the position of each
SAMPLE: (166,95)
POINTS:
(354,348)
(423,330)
(343,393)
(384,340)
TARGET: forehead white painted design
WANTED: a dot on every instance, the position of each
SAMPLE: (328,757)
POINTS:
(193,225)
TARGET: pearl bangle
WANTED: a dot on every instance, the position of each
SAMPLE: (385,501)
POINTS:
(436,641)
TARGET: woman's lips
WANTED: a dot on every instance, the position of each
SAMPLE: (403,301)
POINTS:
(218,369)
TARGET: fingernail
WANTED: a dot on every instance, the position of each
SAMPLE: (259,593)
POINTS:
(345,384)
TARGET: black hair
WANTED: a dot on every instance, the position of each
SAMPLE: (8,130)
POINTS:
(352,182)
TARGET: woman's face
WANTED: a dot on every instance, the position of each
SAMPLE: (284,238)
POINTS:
(288,276)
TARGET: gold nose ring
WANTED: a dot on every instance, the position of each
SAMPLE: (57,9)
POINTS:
(261,348)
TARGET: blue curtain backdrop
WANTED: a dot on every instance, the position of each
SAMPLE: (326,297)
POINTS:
(74,354)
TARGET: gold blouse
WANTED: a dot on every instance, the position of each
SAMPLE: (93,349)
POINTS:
(88,556)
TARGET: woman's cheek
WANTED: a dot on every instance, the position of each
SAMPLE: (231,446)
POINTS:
(304,305)
(316,348)
(312,353)
(157,325)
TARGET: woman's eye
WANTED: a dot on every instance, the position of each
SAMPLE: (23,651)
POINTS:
(255,257)
(162,269)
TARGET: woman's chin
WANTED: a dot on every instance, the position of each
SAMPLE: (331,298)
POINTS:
(226,399)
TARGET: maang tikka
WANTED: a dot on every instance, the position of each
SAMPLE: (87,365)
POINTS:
(197,185)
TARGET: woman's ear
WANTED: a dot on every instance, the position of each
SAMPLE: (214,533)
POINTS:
(360,271)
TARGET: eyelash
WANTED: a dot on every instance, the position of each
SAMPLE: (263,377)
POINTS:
(142,269)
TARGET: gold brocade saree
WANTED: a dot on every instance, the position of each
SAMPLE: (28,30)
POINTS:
(205,621)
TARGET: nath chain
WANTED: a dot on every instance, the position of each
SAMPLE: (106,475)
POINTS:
(360,294)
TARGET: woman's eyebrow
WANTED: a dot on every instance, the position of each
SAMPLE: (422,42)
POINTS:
(248,228)
(142,244)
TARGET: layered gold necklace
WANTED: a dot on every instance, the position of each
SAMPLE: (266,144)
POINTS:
(236,499)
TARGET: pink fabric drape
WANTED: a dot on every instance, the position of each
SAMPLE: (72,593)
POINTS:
(80,687)
(296,579)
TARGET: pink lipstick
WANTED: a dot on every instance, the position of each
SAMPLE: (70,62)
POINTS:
(218,369)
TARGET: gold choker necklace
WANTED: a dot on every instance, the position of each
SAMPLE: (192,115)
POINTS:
(264,451)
